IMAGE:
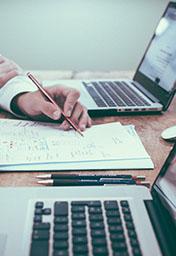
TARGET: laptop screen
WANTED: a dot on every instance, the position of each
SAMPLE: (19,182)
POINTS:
(157,70)
(159,63)
(165,184)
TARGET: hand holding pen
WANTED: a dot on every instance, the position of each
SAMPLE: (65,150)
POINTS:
(38,107)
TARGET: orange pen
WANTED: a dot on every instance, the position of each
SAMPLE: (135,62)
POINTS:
(45,93)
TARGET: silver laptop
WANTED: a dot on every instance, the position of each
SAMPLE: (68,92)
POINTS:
(95,220)
(152,87)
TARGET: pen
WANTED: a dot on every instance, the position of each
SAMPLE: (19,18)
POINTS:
(45,93)
(90,177)
(85,182)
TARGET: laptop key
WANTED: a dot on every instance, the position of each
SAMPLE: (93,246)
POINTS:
(80,249)
(119,246)
(136,252)
(61,220)
(76,209)
(79,231)
(60,227)
(43,225)
(98,241)
(100,251)
(112,213)
(98,233)
(79,240)
(114,221)
(60,244)
(60,236)
(94,204)
(115,229)
(46,211)
(40,235)
(73,203)
(62,252)
(97,225)
(116,237)
(124,203)
(39,204)
(132,233)
(96,217)
(78,216)
(78,223)
(95,210)
(38,211)
(111,205)
(120,253)
(61,209)
(39,248)
(37,218)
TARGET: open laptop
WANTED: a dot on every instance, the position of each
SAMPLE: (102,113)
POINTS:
(95,220)
(152,87)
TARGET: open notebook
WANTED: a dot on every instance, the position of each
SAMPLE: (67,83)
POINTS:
(27,145)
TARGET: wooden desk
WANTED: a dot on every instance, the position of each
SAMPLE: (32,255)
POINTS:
(148,128)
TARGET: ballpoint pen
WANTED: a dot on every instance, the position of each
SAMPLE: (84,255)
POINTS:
(89,182)
(45,93)
(90,176)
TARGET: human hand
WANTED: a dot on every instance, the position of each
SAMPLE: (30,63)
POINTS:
(34,104)
(8,70)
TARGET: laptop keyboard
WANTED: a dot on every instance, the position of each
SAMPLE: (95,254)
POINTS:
(84,228)
(112,94)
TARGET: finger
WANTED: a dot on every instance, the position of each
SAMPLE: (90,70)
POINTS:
(49,109)
(6,77)
(65,126)
(77,112)
(84,120)
(89,122)
(65,96)
(70,101)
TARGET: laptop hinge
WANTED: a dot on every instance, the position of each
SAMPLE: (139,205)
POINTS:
(165,231)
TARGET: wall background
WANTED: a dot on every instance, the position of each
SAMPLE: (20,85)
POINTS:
(77,34)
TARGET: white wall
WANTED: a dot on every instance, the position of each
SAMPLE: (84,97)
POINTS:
(77,34)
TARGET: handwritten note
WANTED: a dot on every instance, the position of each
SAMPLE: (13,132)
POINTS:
(26,142)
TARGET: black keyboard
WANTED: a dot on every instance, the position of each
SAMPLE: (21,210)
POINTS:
(112,94)
(84,228)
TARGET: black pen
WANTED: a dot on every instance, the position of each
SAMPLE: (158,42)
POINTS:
(67,182)
(90,177)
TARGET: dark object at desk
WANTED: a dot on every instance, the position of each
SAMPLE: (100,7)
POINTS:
(105,182)
(90,177)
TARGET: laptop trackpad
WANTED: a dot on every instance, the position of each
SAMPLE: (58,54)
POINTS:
(3,240)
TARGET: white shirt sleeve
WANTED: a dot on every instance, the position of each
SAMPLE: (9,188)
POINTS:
(14,86)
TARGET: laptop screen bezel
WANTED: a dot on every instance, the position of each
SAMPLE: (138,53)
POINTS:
(162,95)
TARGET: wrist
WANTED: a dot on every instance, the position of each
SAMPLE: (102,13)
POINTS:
(17,103)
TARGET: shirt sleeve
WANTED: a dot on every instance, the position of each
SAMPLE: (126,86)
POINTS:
(13,87)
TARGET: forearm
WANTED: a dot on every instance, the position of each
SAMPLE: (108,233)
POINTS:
(14,87)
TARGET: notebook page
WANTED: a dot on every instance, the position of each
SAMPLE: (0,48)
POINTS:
(26,142)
